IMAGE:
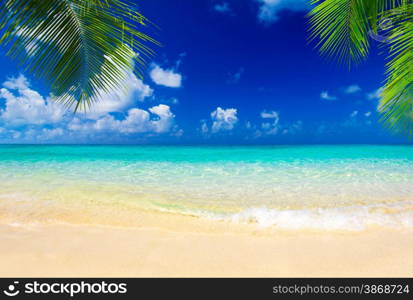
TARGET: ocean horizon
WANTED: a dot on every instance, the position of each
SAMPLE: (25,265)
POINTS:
(334,187)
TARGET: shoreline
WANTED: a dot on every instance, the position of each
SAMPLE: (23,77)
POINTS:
(169,245)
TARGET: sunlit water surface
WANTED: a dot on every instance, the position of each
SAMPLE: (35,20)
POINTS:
(319,187)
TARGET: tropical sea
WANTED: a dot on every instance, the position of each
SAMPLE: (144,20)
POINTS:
(288,187)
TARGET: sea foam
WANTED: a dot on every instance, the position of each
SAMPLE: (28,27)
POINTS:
(347,218)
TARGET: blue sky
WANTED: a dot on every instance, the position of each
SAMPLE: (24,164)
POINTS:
(229,71)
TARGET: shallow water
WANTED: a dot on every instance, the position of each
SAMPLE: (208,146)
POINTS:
(321,187)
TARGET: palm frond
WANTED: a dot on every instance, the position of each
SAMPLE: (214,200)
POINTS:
(83,48)
(396,103)
(341,27)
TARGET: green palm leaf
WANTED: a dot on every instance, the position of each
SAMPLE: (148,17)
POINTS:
(342,27)
(83,48)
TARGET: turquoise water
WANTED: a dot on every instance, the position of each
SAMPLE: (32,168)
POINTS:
(329,187)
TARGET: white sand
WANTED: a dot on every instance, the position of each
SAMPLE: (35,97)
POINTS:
(168,245)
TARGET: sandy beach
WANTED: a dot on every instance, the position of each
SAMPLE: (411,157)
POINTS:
(137,212)
(168,245)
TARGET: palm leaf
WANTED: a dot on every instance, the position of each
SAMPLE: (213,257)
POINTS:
(341,27)
(396,103)
(83,48)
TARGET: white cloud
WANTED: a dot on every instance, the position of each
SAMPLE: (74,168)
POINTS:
(118,101)
(375,95)
(41,119)
(352,89)
(168,78)
(270,128)
(165,118)
(270,115)
(269,9)
(25,106)
(356,120)
(17,83)
(326,96)
(159,119)
(47,134)
(223,119)
(222,7)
